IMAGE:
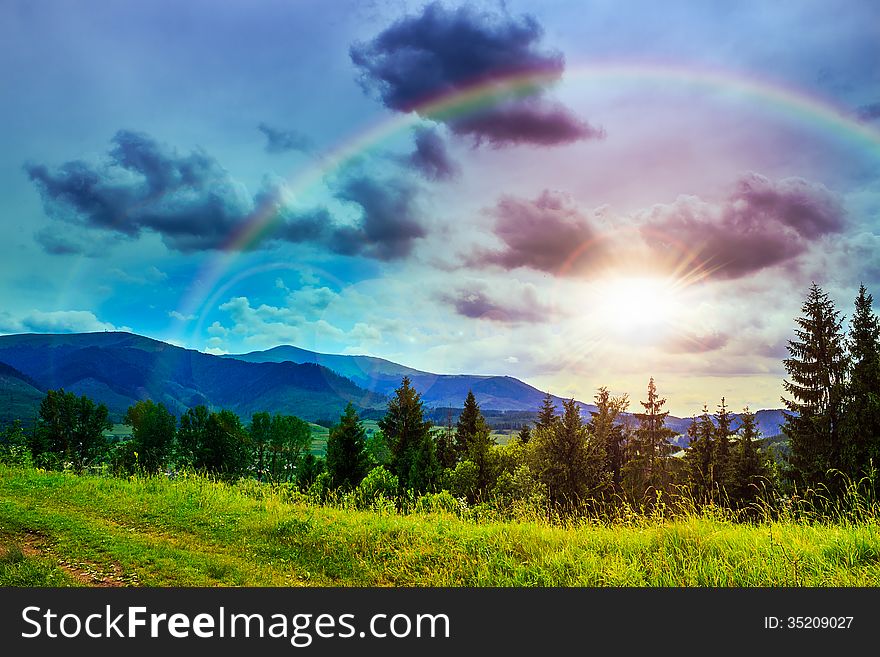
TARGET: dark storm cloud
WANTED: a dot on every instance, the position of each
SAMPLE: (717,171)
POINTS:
(282,141)
(189,200)
(475,304)
(430,157)
(389,224)
(543,234)
(526,122)
(869,112)
(444,51)
(194,205)
(761,224)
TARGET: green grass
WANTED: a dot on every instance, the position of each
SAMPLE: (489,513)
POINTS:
(195,532)
(18,569)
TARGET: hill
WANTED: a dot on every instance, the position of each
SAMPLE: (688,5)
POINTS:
(380,376)
(119,369)
(20,396)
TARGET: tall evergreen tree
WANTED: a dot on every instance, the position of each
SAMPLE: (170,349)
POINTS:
(347,459)
(405,428)
(749,469)
(651,446)
(861,434)
(722,469)
(569,460)
(609,432)
(474,442)
(467,425)
(547,415)
(700,457)
(816,368)
(425,471)
(525,433)
(446,446)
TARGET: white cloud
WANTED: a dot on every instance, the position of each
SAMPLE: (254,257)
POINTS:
(181,317)
(56,321)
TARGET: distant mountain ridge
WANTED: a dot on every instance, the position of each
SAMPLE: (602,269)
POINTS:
(119,369)
(502,393)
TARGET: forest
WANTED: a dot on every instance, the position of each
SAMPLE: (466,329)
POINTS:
(565,466)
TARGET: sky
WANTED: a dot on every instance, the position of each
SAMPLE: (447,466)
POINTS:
(575,193)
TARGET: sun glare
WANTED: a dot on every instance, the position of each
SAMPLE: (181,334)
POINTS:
(643,307)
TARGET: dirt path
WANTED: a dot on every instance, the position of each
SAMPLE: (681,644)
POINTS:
(34,544)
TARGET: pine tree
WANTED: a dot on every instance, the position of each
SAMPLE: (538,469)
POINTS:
(525,434)
(722,459)
(861,435)
(347,459)
(405,428)
(749,471)
(651,444)
(816,367)
(547,415)
(447,454)
(609,432)
(467,424)
(425,471)
(700,457)
(569,460)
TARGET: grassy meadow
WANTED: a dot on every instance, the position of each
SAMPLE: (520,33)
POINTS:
(58,529)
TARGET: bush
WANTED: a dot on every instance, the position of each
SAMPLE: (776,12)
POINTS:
(319,491)
(463,481)
(442,502)
(378,484)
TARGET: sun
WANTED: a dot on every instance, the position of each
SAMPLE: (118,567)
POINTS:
(643,307)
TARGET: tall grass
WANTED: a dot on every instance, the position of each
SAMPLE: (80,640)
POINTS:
(194,531)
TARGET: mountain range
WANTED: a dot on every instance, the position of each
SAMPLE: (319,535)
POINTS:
(119,369)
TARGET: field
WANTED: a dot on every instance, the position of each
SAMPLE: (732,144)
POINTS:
(58,529)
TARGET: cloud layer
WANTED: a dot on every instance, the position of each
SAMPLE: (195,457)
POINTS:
(761,224)
(195,205)
(544,234)
(441,52)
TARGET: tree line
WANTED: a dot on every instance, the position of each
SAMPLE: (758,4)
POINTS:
(564,464)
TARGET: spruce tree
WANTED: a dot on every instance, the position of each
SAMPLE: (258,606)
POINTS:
(700,457)
(722,460)
(816,368)
(651,442)
(861,435)
(749,471)
(467,424)
(447,454)
(405,428)
(569,460)
(609,432)
(547,415)
(525,434)
(347,459)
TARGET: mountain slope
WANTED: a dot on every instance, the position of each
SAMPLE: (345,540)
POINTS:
(438,390)
(119,369)
(498,393)
(20,396)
